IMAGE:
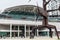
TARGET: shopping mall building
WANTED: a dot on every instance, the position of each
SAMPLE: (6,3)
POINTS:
(18,21)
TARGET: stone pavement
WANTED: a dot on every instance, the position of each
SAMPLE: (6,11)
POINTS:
(36,38)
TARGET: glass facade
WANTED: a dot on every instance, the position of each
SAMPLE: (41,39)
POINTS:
(21,15)
(4,34)
(22,30)
(45,33)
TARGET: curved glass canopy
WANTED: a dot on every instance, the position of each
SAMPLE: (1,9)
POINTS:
(23,15)
(26,16)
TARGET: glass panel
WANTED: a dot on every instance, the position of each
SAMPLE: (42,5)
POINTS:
(4,34)
(43,34)
(14,27)
(21,28)
(22,15)
(14,34)
(27,15)
(21,34)
(27,34)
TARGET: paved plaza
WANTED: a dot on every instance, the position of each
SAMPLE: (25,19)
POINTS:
(36,38)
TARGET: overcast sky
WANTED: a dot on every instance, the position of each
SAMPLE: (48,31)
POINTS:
(10,3)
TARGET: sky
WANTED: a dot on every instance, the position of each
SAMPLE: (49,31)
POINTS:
(10,3)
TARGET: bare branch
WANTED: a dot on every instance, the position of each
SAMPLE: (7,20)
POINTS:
(39,12)
(29,0)
(47,2)
(54,10)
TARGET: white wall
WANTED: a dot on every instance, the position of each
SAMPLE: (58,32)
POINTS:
(24,22)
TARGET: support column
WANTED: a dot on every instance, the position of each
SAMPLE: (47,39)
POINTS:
(29,30)
(25,31)
(18,31)
(48,33)
(14,32)
(10,30)
(37,31)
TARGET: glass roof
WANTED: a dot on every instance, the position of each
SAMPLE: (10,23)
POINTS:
(25,15)
(22,15)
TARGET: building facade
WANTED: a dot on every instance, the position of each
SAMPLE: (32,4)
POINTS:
(18,22)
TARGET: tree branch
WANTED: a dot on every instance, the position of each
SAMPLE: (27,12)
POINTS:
(47,2)
(54,10)
(40,13)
